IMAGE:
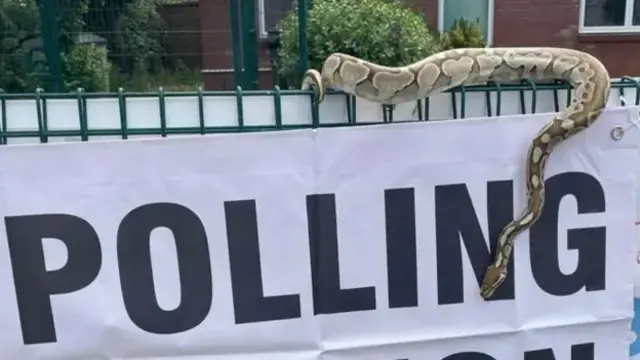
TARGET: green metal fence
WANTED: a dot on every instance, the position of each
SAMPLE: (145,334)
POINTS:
(57,25)
(627,88)
(135,44)
(99,45)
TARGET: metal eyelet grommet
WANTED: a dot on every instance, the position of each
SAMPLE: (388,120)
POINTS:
(617,133)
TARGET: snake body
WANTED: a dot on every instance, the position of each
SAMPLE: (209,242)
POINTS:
(473,66)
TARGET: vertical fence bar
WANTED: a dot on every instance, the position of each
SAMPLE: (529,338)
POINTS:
(427,108)
(234,21)
(3,114)
(122,107)
(163,112)
(534,95)
(201,110)
(249,45)
(41,128)
(556,101)
(82,115)
(50,31)
(418,109)
(463,102)
(487,101)
(498,99)
(45,119)
(454,104)
(302,34)
(240,108)
(523,102)
(277,106)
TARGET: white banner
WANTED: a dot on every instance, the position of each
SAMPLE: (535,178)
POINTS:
(362,243)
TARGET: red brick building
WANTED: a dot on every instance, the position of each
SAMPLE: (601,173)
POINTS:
(608,29)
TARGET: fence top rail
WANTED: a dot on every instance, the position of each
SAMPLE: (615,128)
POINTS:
(524,85)
(80,116)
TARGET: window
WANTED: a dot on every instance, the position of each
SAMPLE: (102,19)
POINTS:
(270,12)
(450,10)
(609,16)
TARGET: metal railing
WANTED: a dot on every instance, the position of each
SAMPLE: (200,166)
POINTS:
(527,93)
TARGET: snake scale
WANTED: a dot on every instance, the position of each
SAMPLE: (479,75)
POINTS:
(474,66)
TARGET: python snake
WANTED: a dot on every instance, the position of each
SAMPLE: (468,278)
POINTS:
(474,66)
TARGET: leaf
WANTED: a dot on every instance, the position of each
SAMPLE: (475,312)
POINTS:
(463,34)
(385,32)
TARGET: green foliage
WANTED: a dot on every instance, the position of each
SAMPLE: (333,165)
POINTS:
(18,18)
(18,23)
(180,79)
(133,30)
(382,31)
(103,14)
(139,36)
(86,66)
(70,17)
(463,34)
(22,60)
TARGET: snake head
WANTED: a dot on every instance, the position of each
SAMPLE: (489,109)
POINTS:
(493,278)
(313,80)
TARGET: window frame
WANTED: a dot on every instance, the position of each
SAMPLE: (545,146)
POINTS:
(262,31)
(626,28)
(490,19)
(262,21)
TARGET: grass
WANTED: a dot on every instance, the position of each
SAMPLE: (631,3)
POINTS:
(170,80)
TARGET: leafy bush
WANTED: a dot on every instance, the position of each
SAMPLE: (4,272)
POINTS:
(23,65)
(133,28)
(463,34)
(140,37)
(382,31)
(18,24)
(86,66)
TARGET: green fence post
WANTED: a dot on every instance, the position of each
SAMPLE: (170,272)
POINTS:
(234,20)
(50,31)
(302,34)
(249,45)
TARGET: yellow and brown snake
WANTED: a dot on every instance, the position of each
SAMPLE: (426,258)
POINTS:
(472,66)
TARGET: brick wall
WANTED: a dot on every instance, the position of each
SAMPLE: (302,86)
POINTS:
(619,53)
(516,23)
(428,8)
(555,23)
(183,33)
(217,55)
(216,43)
